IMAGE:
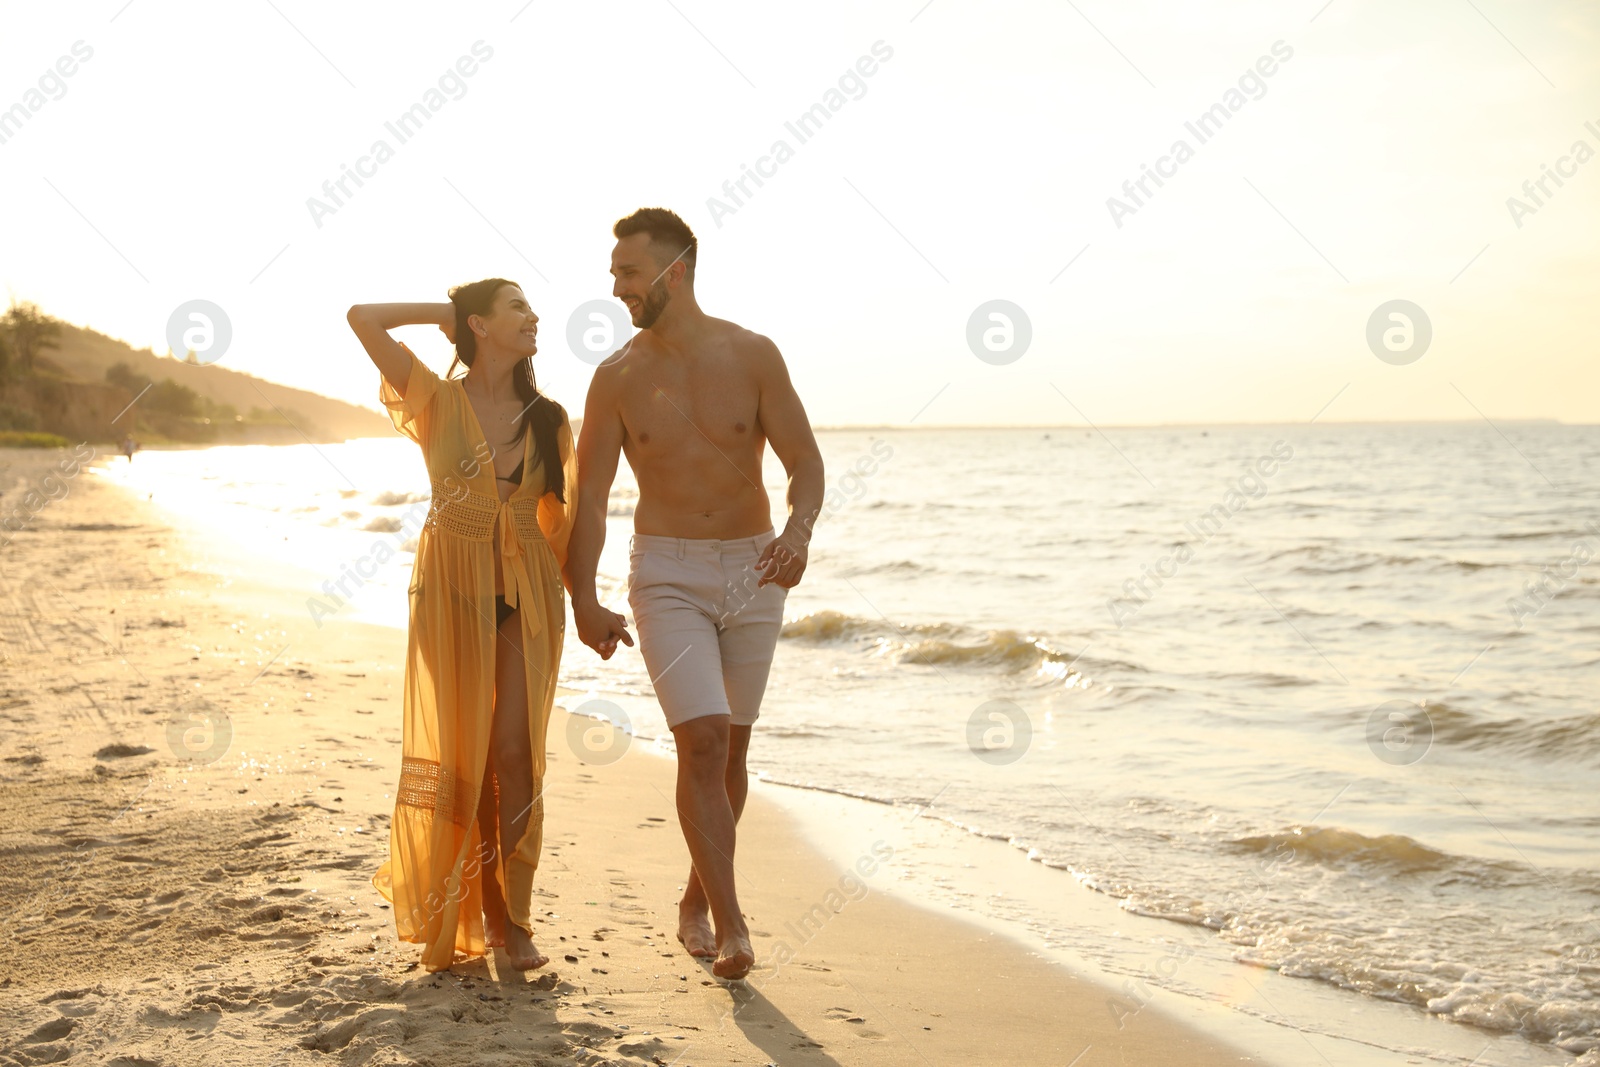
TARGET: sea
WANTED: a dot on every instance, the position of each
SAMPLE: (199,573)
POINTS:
(1322,694)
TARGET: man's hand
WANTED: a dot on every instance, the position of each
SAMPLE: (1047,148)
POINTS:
(600,628)
(783,561)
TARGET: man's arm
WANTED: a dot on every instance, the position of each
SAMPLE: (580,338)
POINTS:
(783,418)
(599,445)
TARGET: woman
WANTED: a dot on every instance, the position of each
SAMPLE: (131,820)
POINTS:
(487,619)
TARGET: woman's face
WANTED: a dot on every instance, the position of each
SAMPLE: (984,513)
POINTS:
(510,326)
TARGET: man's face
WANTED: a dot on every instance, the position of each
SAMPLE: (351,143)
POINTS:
(640,282)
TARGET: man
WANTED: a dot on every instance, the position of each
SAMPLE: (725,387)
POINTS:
(692,401)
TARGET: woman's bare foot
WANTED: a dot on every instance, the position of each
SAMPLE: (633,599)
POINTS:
(494,914)
(735,958)
(494,930)
(694,931)
(520,947)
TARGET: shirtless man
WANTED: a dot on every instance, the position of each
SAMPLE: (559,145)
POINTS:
(692,401)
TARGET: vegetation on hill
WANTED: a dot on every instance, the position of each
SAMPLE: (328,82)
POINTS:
(66,380)
(178,412)
(25,331)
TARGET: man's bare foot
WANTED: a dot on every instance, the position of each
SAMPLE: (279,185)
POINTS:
(519,946)
(735,958)
(694,931)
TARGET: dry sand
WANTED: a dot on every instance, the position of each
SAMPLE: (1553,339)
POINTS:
(177,893)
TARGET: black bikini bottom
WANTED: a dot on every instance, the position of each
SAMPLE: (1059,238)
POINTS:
(502,611)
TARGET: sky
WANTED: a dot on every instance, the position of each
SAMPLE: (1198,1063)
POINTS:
(1358,154)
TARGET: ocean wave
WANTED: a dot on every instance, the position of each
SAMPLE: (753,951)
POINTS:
(1264,679)
(1338,847)
(1333,559)
(1566,737)
(937,644)
(389,498)
(1534,535)
(1547,988)
(1552,1002)
(899,566)
(836,627)
(1560,738)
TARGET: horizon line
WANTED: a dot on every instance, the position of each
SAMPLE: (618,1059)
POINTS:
(1091,427)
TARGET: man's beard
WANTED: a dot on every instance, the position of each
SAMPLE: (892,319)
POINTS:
(655,302)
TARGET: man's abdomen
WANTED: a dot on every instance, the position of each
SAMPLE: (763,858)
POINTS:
(748,513)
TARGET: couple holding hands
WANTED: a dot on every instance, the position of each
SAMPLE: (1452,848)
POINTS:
(518,516)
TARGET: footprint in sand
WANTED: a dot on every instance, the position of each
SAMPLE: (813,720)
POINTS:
(382,1025)
(653,1051)
(121,751)
(54,1030)
(584,1033)
(858,1027)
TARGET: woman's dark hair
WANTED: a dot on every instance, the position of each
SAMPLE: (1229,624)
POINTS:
(538,411)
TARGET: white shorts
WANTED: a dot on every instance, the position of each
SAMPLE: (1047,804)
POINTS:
(707,630)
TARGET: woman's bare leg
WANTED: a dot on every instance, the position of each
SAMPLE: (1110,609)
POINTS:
(494,903)
(512,754)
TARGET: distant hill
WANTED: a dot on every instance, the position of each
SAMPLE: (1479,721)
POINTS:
(86,355)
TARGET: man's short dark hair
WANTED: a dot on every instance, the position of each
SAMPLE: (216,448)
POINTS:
(670,237)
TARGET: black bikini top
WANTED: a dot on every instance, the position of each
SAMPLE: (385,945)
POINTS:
(516,475)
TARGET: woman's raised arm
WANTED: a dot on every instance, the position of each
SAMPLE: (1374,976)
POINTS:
(372,323)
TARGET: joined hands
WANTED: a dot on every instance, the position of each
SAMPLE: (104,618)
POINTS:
(600,628)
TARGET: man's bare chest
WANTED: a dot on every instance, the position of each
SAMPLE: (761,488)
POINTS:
(673,411)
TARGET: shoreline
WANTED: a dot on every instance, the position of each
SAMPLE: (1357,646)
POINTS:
(198,787)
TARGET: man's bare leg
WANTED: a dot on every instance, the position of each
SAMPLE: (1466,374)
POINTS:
(694,910)
(511,750)
(706,815)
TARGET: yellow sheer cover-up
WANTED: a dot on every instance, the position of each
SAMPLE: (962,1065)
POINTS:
(433,876)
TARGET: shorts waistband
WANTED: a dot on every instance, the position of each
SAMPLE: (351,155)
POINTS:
(681,546)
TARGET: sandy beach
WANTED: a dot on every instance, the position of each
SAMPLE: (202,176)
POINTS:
(197,787)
